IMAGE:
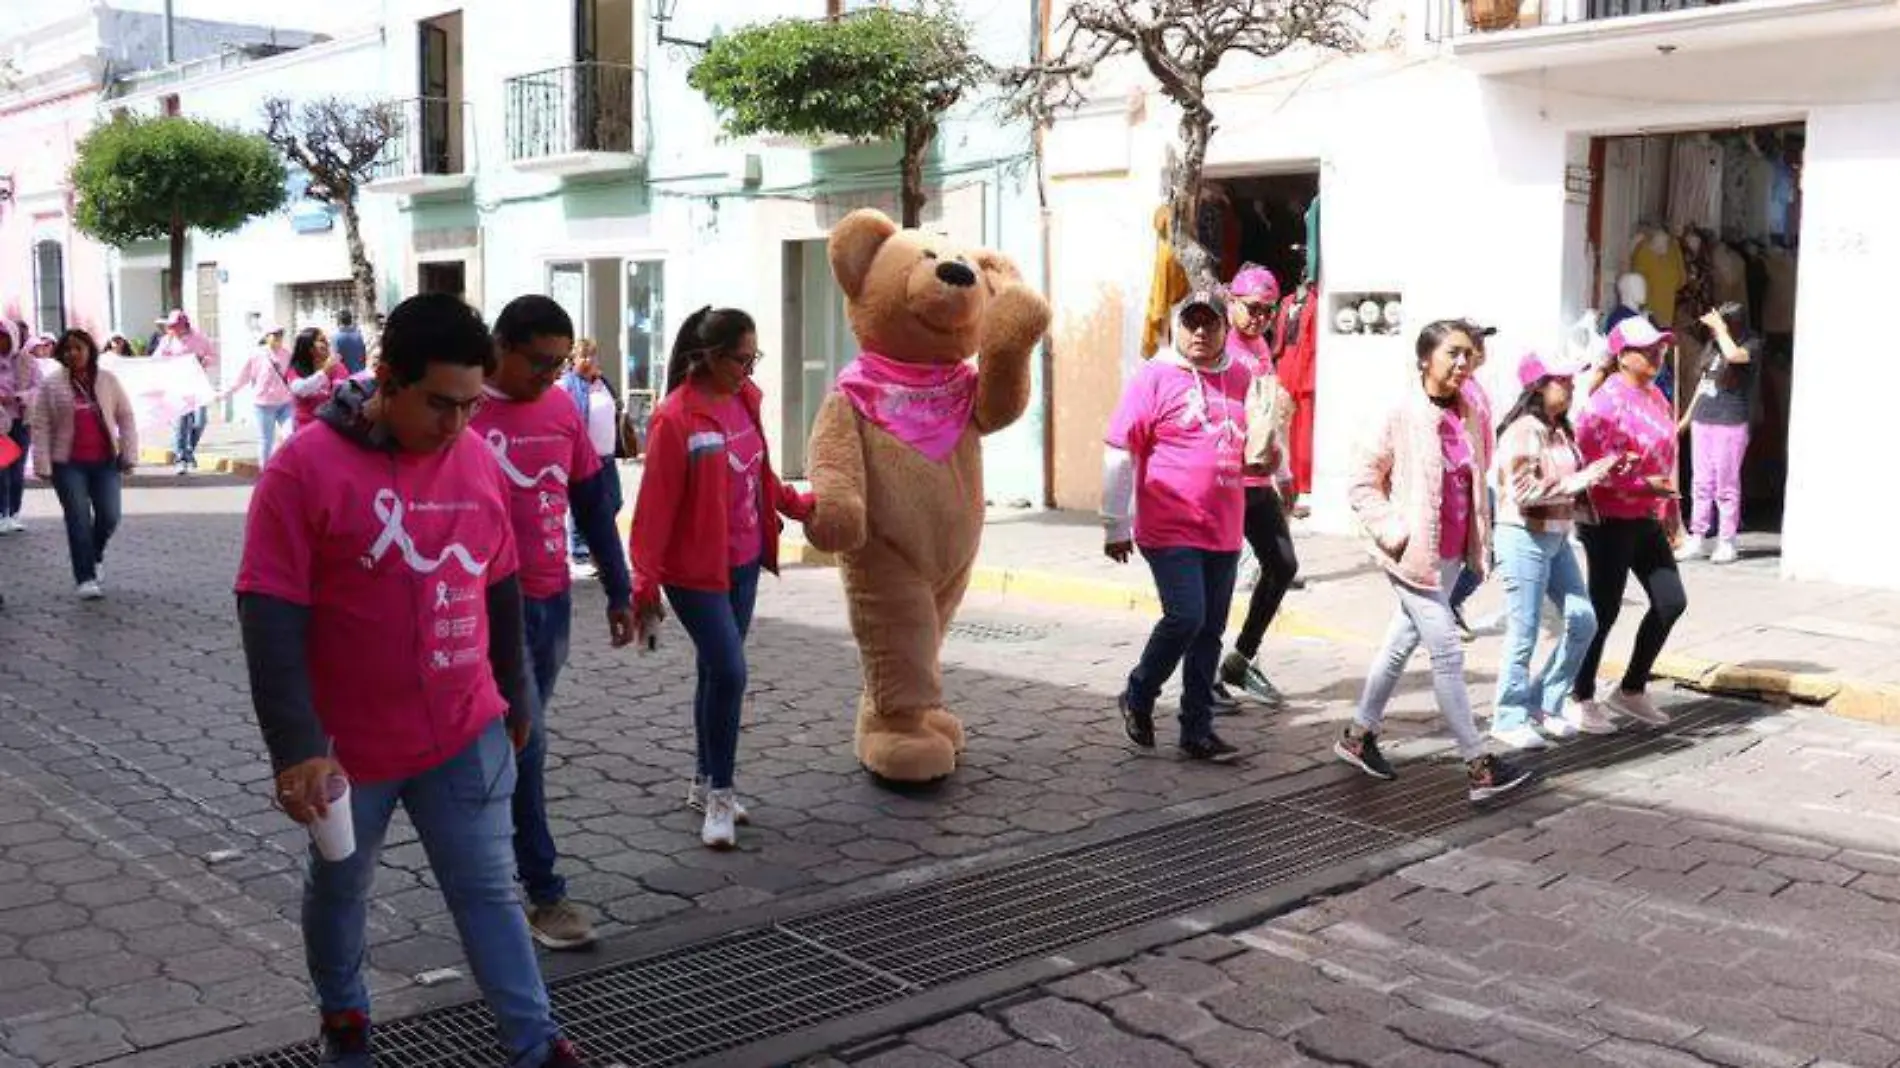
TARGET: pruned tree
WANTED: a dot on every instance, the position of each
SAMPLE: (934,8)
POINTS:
(1181,43)
(136,179)
(337,143)
(876,74)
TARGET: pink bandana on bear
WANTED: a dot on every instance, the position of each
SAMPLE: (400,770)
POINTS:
(925,406)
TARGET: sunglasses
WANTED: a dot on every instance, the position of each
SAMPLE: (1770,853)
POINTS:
(1256,309)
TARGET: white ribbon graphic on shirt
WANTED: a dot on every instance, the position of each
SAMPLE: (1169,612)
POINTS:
(389,511)
(498,444)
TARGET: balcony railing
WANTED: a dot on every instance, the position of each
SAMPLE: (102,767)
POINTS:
(428,149)
(586,108)
(1452,19)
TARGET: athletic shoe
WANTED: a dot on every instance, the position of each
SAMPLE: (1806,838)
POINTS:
(717,832)
(11,524)
(1557,728)
(1493,775)
(561,925)
(345,1040)
(1589,718)
(1362,752)
(1725,552)
(1692,549)
(696,800)
(1244,675)
(1139,725)
(1637,706)
(562,1054)
(90,591)
(1523,736)
(1224,702)
(182,469)
(1210,749)
(1465,633)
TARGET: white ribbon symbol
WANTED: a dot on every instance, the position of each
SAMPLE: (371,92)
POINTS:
(389,512)
(547,501)
(441,595)
(498,444)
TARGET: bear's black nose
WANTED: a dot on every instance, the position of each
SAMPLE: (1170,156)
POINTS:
(956,274)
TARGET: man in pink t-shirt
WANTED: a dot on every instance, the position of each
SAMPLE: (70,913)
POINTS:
(380,604)
(1172,485)
(537,438)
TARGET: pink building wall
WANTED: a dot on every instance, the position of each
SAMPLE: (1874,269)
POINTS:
(36,149)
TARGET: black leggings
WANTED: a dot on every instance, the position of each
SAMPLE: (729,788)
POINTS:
(1617,549)
(1272,545)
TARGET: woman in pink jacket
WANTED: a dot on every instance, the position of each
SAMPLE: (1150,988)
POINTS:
(19,386)
(1418,494)
(88,440)
(267,373)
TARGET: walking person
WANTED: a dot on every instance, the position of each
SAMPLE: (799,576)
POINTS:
(1416,494)
(705,524)
(1267,479)
(20,382)
(600,414)
(314,374)
(380,604)
(88,440)
(1719,417)
(1630,420)
(182,339)
(552,471)
(1542,483)
(267,374)
(350,347)
(1171,485)
(1478,399)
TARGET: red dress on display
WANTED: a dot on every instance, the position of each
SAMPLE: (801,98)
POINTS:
(1296,340)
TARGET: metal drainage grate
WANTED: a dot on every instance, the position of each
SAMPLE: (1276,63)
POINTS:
(702,1000)
(972,630)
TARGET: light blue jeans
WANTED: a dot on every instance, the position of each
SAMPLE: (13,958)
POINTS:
(1533,566)
(1424,618)
(460,810)
(271,420)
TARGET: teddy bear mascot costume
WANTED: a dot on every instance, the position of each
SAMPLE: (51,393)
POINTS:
(897,465)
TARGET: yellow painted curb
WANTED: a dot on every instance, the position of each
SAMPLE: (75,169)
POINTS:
(225,466)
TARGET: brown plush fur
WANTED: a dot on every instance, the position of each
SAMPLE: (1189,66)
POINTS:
(907,528)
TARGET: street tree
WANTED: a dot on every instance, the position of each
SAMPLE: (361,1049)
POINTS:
(873,75)
(337,143)
(1181,43)
(139,179)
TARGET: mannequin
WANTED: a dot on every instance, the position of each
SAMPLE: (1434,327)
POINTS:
(1731,275)
(1658,258)
(1632,294)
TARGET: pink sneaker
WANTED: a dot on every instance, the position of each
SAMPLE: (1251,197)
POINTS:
(1637,706)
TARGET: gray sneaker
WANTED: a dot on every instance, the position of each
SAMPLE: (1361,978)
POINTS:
(561,925)
(1242,674)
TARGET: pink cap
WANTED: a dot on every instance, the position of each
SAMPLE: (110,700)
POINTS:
(1532,368)
(1253,280)
(174,317)
(1637,332)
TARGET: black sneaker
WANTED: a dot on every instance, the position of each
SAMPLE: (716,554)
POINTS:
(1224,703)
(1210,749)
(1137,724)
(1493,775)
(1244,675)
(1362,752)
(345,1040)
(562,1054)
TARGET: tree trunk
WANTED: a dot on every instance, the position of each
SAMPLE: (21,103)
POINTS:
(175,295)
(917,138)
(1197,129)
(362,272)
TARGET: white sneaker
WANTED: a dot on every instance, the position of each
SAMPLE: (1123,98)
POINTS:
(182,469)
(696,800)
(1556,727)
(90,591)
(1522,737)
(1589,718)
(717,832)
(1725,552)
(1637,706)
(1692,549)
(7,525)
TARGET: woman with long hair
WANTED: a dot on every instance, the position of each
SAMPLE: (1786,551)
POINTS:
(1541,480)
(705,524)
(1719,415)
(314,374)
(88,439)
(267,373)
(1417,493)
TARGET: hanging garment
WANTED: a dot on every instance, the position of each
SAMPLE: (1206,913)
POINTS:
(1777,313)
(1663,272)
(1735,167)
(1296,339)
(1781,199)
(1731,276)
(1695,184)
(1312,241)
(1757,271)
(1167,286)
(1697,295)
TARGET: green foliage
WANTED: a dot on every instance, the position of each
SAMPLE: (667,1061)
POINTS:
(132,176)
(865,76)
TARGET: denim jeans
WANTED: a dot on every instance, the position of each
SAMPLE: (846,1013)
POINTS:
(1196,587)
(577,550)
(89,495)
(549,623)
(1532,566)
(460,811)
(717,622)
(13,477)
(186,435)
(1468,580)
(271,419)
(1424,617)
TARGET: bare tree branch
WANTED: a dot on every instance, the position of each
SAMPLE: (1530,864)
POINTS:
(338,144)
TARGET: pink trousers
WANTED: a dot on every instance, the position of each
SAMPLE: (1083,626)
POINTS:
(1716,456)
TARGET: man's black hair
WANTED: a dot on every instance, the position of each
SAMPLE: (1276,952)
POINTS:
(434,328)
(529,317)
(345,317)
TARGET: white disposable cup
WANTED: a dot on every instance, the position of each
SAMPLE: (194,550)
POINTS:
(335,832)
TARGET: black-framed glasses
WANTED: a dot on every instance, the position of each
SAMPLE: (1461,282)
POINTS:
(746,360)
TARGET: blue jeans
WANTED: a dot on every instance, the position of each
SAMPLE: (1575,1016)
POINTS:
(270,420)
(186,435)
(460,811)
(717,621)
(549,623)
(577,550)
(1197,591)
(89,495)
(1531,567)
(13,478)
(1468,580)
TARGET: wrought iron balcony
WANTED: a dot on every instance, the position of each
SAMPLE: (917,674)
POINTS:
(430,151)
(1451,19)
(576,119)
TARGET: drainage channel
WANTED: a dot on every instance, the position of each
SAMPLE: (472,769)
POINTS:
(737,989)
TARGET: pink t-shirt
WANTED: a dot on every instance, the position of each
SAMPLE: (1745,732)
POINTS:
(1187,431)
(1256,357)
(1479,400)
(309,402)
(393,554)
(744,453)
(1455,500)
(541,445)
(1618,420)
(91,443)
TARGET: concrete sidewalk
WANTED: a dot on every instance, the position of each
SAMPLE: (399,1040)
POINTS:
(1747,631)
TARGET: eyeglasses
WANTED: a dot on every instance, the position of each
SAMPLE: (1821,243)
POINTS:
(1256,309)
(748,361)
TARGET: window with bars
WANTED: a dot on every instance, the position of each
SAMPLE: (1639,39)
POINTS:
(49,286)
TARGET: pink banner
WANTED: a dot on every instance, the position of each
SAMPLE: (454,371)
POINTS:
(161,389)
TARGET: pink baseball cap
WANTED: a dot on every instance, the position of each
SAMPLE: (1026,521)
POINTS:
(1533,368)
(1253,280)
(174,317)
(1637,333)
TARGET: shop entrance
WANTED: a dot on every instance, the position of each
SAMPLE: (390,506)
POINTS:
(1704,218)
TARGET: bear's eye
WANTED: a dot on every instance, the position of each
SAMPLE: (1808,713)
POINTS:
(929,255)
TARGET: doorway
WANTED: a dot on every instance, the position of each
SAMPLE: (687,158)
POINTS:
(1265,219)
(817,343)
(439,62)
(447,276)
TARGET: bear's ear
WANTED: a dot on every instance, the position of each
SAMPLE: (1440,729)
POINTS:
(854,244)
(998,270)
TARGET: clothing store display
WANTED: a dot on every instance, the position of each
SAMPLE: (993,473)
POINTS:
(1658,258)
(1730,272)
(1695,184)
(1166,286)
(1296,339)
(1312,242)
(1777,314)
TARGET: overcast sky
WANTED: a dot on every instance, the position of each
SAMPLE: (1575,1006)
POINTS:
(327,16)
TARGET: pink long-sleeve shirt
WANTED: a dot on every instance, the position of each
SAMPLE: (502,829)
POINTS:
(192,344)
(268,374)
(1621,419)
